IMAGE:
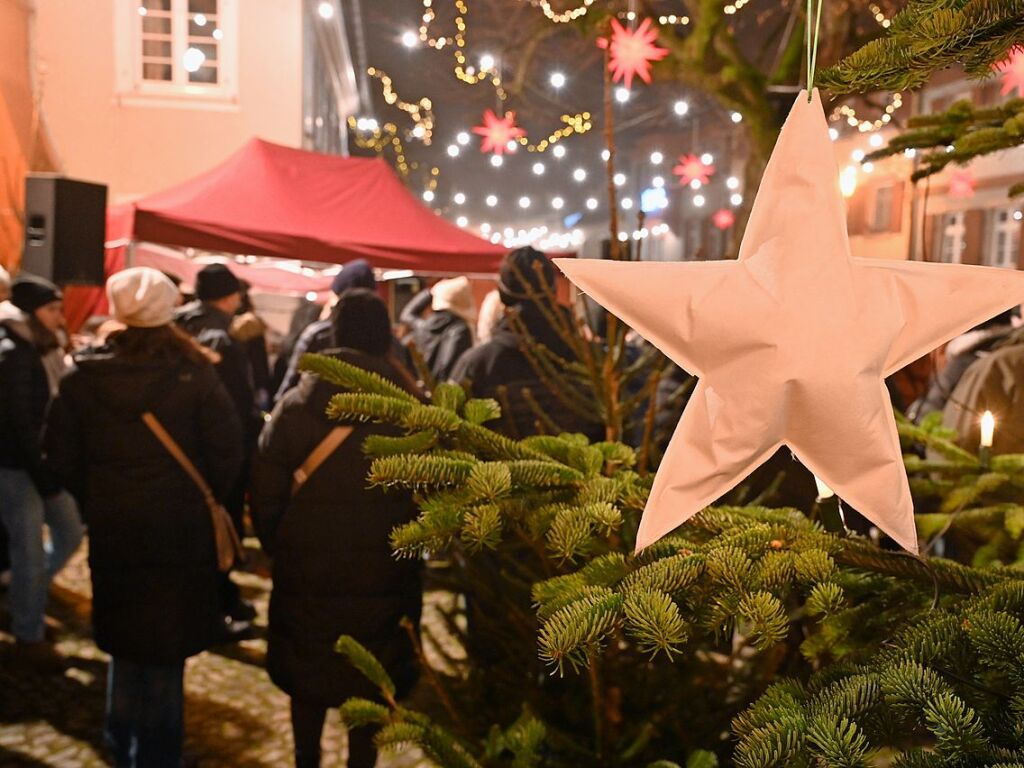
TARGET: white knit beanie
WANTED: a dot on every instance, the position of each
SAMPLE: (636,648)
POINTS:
(142,297)
(454,295)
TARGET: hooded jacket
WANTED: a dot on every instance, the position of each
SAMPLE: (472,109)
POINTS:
(151,549)
(26,386)
(500,369)
(333,569)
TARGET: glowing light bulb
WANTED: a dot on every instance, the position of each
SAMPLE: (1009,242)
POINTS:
(200,19)
(428,196)
(833,134)
(486,62)
(557,79)
(621,95)
(732,182)
(736,199)
(218,34)
(326,10)
(524,202)
(707,158)
(497,161)
(557,203)
(681,108)
(592,203)
(462,138)
(657,158)
(695,184)
(453,150)
(143,11)
(868,167)
(619,179)
(491,200)
(736,117)
(193,59)
(579,175)
(698,200)
(627,203)
(848,181)
(558,151)
(485,227)
(462,221)
(658,182)
(857,155)
(605,154)
(538,169)
(459,198)
(988,428)
(876,140)
(410,39)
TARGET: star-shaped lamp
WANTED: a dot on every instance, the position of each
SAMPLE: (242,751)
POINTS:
(497,132)
(961,184)
(723,218)
(792,341)
(632,52)
(1012,70)
(691,168)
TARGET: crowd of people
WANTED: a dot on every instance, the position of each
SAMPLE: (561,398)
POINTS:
(166,419)
(166,434)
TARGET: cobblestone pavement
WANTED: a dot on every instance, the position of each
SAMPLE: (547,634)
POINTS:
(234,715)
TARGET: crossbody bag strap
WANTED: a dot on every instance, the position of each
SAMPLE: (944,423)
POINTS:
(319,455)
(179,455)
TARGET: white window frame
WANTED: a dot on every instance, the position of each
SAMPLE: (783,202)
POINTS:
(132,89)
(1011,229)
(952,229)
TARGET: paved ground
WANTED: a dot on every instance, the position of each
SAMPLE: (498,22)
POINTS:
(234,715)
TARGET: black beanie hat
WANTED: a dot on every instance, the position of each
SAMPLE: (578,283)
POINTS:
(360,321)
(355,274)
(215,282)
(29,293)
(518,276)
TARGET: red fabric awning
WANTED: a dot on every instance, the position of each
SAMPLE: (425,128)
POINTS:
(271,200)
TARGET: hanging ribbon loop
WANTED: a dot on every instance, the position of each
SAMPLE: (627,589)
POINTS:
(812,44)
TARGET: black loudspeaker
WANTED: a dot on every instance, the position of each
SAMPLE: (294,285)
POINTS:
(65,228)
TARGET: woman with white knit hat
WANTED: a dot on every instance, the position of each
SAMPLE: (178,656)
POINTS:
(152,552)
(447,332)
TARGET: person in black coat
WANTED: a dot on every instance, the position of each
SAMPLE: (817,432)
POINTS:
(152,554)
(208,320)
(500,366)
(333,569)
(31,363)
(445,334)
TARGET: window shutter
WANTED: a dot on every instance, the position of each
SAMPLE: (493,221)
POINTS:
(974,236)
(896,208)
(930,244)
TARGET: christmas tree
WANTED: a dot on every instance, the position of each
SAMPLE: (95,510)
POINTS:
(753,636)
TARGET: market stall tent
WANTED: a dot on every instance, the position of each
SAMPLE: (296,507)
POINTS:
(270,200)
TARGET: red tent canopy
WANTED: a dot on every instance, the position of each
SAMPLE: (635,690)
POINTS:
(271,200)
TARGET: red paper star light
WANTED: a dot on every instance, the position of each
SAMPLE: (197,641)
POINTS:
(632,52)
(961,184)
(723,218)
(498,132)
(1012,70)
(690,167)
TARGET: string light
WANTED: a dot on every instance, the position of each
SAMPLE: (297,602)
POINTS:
(736,117)
(558,151)
(621,95)
(496,161)
(707,158)
(326,10)
(627,203)
(657,158)
(557,203)
(428,196)
(410,39)
(462,138)
(681,107)
(848,113)
(453,150)
(736,199)
(421,111)
(658,182)
(491,200)
(591,203)
(538,169)
(879,16)
(459,198)
(579,175)
(524,202)
(732,182)
(674,20)
(698,200)
(557,80)
(563,17)
(462,221)
(619,179)
(734,7)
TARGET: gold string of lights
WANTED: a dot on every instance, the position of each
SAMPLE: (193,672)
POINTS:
(379,139)
(578,124)
(848,113)
(734,7)
(563,17)
(421,112)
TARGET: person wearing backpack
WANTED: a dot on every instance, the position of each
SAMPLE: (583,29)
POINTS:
(328,535)
(153,551)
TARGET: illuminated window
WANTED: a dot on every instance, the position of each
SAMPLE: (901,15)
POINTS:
(953,237)
(1004,238)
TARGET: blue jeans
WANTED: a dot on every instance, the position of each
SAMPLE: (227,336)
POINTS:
(23,513)
(145,725)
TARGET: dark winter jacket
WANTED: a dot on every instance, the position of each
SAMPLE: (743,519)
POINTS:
(318,338)
(24,398)
(151,548)
(499,368)
(212,328)
(333,570)
(442,339)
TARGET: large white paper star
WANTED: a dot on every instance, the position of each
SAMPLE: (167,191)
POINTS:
(792,341)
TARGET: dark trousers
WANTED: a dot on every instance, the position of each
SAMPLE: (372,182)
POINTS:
(145,725)
(308,727)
